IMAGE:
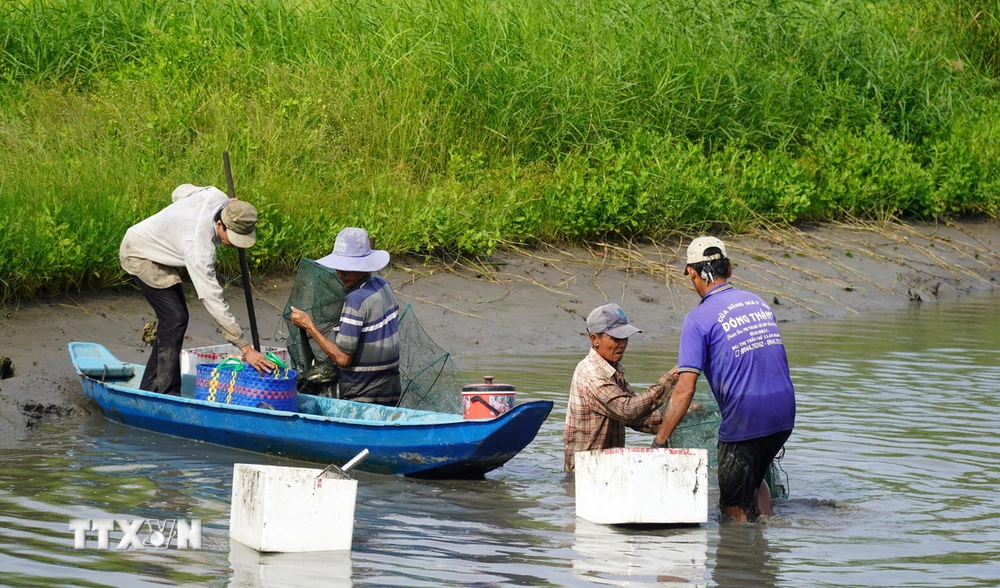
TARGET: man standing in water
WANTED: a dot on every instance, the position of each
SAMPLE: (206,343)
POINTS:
(185,235)
(601,402)
(733,338)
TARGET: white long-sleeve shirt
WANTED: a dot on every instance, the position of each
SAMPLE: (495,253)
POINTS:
(183,235)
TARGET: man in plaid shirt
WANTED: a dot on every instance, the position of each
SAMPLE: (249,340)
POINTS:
(601,402)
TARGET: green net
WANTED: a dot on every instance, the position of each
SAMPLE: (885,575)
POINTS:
(317,291)
(700,428)
(431,380)
(429,377)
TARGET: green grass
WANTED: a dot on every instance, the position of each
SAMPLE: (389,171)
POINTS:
(458,126)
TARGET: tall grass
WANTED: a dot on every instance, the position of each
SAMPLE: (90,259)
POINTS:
(457,125)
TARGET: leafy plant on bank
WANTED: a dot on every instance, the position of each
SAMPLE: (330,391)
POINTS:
(456,127)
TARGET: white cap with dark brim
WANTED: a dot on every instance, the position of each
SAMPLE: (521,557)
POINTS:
(696,250)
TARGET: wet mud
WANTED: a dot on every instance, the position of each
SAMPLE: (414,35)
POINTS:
(531,300)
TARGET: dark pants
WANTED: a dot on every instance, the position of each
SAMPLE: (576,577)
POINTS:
(742,467)
(163,370)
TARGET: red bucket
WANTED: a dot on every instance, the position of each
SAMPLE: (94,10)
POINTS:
(488,400)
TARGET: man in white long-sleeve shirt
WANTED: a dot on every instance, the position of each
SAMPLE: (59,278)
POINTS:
(185,235)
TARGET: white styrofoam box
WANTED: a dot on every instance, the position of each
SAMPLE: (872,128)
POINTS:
(253,569)
(642,485)
(191,358)
(629,557)
(287,509)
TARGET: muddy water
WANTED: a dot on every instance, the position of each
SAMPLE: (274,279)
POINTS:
(893,470)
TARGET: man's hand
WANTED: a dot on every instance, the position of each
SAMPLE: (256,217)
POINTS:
(677,407)
(656,445)
(257,360)
(301,319)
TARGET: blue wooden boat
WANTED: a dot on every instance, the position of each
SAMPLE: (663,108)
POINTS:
(401,441)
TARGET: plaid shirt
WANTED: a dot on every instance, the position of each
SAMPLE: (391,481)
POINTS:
(601,403)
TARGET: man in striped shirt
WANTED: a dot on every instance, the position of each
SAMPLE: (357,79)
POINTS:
(366,344)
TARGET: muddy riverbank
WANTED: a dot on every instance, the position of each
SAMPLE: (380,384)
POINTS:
(522,301)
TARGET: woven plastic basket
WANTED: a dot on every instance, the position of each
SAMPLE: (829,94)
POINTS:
(276,390)
(216,382)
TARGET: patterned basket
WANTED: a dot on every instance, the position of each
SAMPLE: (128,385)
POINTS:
(276,390)
(216,382)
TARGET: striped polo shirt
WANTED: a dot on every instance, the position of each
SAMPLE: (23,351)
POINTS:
(369,330)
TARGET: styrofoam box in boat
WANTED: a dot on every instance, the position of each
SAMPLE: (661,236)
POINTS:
(635,485)
(283,509)
(192,357)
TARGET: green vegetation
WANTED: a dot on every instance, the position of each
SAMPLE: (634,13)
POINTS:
(455,126)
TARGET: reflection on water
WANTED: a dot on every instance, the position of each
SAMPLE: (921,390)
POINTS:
(252,569)
(100,470)
(619,557)
(744,558)
(893,469)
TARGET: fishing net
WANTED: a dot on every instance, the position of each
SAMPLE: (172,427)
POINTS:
(430,380)
(700,428)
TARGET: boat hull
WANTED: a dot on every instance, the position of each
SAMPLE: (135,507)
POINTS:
(448,449)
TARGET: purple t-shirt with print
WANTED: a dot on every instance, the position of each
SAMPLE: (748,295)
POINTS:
(732,337)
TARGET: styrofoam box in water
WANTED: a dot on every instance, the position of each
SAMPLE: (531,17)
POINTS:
(635,485)
(283,509)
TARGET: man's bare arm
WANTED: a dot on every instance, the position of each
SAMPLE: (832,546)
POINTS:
(680,400)
(302,319)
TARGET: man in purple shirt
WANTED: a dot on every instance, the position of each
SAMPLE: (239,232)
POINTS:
(732,338)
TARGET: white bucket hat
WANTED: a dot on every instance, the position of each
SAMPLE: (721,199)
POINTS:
(352,252)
